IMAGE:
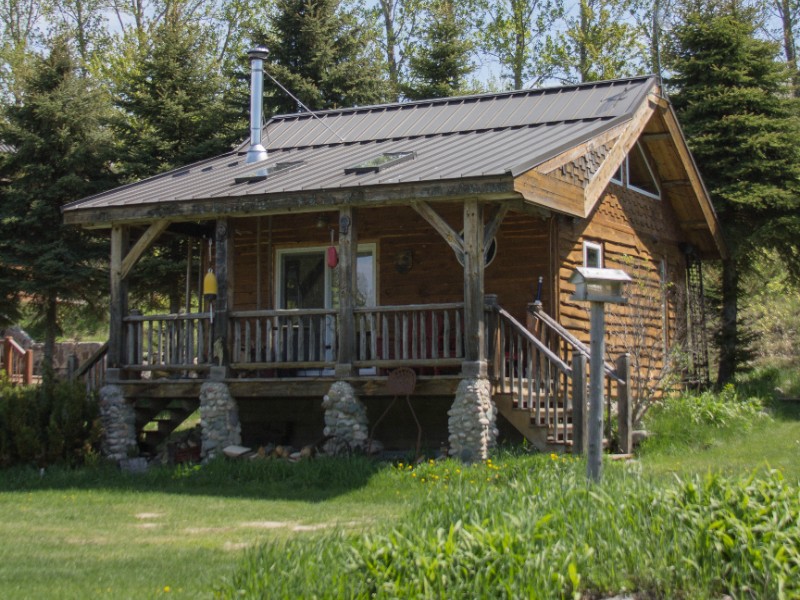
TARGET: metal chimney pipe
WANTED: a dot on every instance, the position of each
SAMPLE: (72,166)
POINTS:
(257,55)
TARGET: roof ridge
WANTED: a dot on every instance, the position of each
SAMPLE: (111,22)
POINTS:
(399,138)
(459,99)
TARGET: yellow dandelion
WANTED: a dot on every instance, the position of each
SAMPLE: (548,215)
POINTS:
(553,456)
(167,589)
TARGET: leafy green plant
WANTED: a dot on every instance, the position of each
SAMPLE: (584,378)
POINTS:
(533,527)
(700,420)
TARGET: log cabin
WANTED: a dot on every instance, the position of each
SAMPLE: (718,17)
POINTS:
(419,250)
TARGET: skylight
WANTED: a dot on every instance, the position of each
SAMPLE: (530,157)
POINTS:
(381,162)
(264,172)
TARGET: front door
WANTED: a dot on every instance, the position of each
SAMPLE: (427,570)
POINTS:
(305,281)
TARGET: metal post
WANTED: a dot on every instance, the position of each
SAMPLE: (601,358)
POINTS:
(596,378)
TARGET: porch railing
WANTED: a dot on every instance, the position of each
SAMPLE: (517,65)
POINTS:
(267,339)
(426,335)
(538,379)
(168,342)
(17,363)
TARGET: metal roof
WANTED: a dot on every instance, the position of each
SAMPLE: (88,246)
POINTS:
(452,138)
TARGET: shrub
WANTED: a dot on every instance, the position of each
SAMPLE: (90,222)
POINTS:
(47,424)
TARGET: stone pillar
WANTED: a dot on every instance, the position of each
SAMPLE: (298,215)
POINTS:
(345,419)
(119,424)
(472,421)
(219,419)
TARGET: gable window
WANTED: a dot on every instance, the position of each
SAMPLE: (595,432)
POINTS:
(641,177)
(637,174)
(592,255)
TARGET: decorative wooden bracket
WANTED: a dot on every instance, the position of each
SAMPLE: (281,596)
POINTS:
(438,223)
(496,217)
(142,244)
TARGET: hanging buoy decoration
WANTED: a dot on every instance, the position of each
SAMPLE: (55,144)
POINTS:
(332,256)
(210,287)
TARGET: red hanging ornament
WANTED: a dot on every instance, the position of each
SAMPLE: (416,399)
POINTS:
(332,256)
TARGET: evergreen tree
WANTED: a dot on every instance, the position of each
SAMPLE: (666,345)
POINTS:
(441,63)
(743,128)
(323,55)
(62,152)
(176,105)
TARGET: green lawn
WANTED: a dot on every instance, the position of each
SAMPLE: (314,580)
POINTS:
(106,534)
(96,532)
(772,443)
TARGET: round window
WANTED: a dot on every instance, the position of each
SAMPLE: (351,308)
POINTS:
(489,253)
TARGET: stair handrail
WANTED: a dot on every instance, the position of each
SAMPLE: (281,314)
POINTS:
(541,346)
(568,337)
(96,357)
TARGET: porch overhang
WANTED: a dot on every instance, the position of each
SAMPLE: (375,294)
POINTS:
(494,188)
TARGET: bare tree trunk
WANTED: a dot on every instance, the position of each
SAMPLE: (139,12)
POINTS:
(787,23)
(388,10)
(728,339)
(50,333)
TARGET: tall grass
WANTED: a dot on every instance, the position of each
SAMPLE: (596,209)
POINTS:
(532,527)
(699,421)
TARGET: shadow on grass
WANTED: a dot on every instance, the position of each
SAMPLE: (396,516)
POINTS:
(310,480)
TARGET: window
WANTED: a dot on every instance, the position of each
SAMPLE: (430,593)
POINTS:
(305,281)
(488,255)
(592,255)
(381,162)
(640,174)
(637,174)
(617,176)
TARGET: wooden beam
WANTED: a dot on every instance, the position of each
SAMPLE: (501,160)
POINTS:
(614,159)
(141,245)
(494,221)
(700,192)
(656,137)
(440,225)
(348,287)
(119,296)
(581,150)
(224,270)
(547,191)
(674,183)
(474,263)
(494,188)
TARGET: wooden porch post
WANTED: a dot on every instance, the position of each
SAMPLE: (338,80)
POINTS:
(120,236)
(474,327)
(348,286)
(223,239)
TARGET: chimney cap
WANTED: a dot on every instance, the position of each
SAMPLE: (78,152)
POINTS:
(258,53)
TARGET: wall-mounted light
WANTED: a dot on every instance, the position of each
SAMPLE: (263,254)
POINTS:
(323,221)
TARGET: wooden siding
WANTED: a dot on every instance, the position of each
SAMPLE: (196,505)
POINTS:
(435,276)
(637,233)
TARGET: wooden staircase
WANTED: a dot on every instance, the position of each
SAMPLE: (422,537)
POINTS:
(157,418)
(539,377)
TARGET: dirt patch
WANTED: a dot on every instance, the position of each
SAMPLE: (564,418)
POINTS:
(147,515)
(265,524)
